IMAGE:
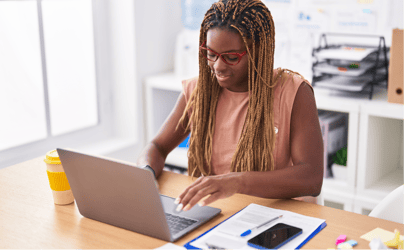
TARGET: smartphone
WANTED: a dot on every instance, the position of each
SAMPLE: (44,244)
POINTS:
(275,237)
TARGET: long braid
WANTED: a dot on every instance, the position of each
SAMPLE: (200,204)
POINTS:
(254,152)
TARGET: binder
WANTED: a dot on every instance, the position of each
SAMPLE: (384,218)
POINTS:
(395,86)
(189,245)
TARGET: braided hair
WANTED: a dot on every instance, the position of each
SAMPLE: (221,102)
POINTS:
(252,20)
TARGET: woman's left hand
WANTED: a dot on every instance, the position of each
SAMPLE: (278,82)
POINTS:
(218,187)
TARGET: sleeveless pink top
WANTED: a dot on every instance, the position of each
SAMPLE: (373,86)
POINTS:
(230,116)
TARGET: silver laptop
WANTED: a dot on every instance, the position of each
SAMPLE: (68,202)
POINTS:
(126,196)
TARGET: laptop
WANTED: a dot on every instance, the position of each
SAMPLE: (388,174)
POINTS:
(123,195)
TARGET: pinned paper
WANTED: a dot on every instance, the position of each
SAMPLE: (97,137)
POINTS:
(384,235)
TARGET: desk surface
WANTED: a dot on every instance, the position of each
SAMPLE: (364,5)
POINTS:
(30,219)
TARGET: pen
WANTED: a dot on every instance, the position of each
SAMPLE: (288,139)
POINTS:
(263,224)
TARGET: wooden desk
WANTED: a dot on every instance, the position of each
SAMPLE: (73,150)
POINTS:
(30,219)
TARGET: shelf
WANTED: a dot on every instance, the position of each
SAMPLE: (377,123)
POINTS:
(380,159)
(333,183)
(388,183)
(384,186)
(340,185)
(339,172)
(382,108)
(162,92)
(364,202)
(327,99)
(166,81)
(342,101)
(345,198)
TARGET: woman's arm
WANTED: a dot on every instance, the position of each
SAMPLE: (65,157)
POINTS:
(168,137)
(304,178)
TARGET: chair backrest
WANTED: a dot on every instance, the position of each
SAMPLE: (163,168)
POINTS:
(391,207)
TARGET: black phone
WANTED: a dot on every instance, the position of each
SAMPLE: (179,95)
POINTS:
(275,237)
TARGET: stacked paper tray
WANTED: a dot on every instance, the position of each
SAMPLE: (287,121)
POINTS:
(344,71)
(345,53)
(345,83)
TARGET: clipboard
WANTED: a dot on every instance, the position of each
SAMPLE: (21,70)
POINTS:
(313,234)
(189,245)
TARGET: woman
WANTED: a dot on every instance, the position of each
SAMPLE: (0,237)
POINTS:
(254,130)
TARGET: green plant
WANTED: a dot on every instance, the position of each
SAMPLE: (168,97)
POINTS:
(341,157)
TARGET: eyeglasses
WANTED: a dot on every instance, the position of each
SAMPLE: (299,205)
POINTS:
(228,58)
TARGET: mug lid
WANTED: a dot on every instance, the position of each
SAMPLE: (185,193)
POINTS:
(52,157)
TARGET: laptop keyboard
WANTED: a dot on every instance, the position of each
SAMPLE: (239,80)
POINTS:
(177,223)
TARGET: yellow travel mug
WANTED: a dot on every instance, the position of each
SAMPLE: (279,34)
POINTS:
(62,194)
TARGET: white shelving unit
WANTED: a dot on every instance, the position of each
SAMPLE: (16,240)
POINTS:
(375,140)
(380,164)
(342,191)
(352,109)
(375,148)
(162,92)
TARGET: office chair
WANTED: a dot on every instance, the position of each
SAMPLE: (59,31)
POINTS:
(391,207)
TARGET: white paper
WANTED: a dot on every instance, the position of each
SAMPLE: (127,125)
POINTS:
(227,234)
(170,246)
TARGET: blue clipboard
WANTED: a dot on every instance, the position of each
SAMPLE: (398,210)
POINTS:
(323,225)
(189,246)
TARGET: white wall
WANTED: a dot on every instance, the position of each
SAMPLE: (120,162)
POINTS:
(123,67)
(157,24)
(150,33)
(117,67)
